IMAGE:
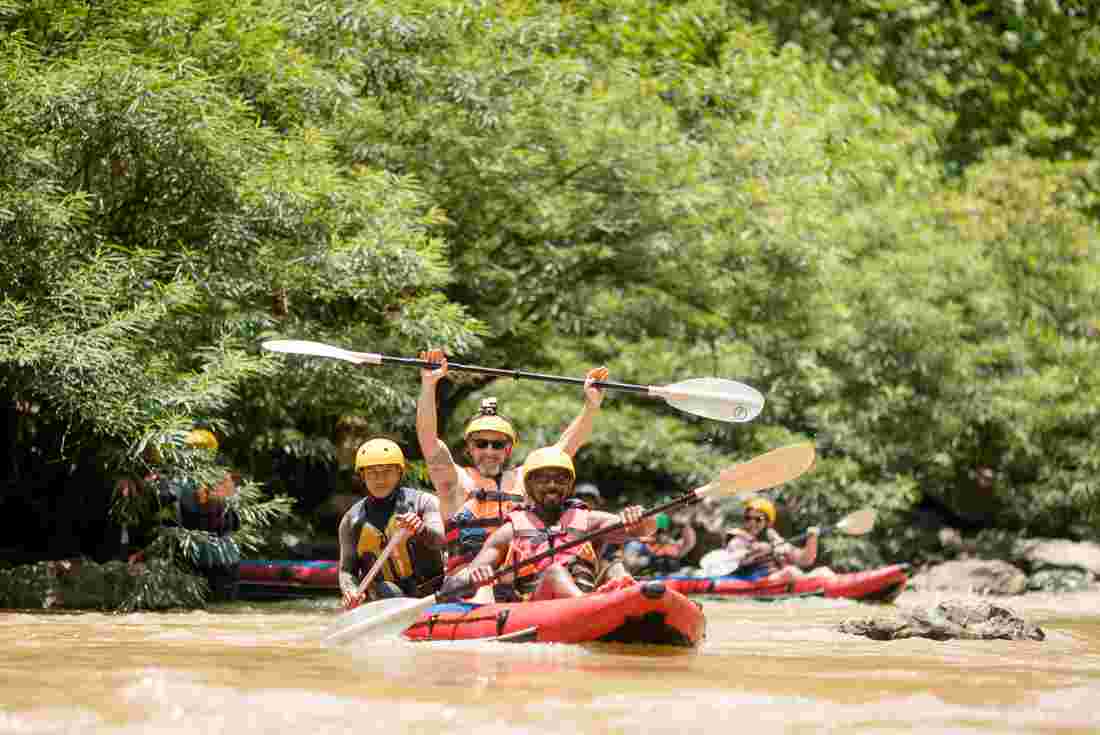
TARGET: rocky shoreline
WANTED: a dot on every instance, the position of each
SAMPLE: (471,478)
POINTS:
(1026,565)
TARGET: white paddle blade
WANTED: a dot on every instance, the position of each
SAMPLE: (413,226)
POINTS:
(378,619)
(857,523)
(356,617)
(320,349)
(759,473)
(713,398)
(720,562)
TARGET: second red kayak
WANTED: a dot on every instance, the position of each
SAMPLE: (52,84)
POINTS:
(649,612)
(875,585)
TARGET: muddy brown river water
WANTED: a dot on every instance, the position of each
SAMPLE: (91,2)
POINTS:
(764,667)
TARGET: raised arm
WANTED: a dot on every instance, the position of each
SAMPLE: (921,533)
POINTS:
(434,535)
(441,465)
(807,555)
(687,539)
(579,431)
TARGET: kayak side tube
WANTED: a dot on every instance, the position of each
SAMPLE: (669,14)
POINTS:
(650,612)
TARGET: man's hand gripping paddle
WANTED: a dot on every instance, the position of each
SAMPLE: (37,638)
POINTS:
(388,617)
(396,539)
(713,398)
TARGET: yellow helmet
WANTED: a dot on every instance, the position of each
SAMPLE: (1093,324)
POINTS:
(201,438)
(548,457)
(377,452)
(488,420)
(764,506)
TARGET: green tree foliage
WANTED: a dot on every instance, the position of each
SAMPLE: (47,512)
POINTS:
(1007,70)
(671,189)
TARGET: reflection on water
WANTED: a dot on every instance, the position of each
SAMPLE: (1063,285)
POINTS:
(778,667)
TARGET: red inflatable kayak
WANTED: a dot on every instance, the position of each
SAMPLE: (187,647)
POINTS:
(649,612)
(876,585)
(283,578)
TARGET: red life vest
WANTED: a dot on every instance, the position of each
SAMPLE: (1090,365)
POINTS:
(486,509)
(531,537)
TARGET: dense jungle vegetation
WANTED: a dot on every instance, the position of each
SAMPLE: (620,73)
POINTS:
(883,215)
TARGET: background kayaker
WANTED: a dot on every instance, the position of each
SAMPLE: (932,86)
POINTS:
(474,500)
(551,518)
(138,507)
(386,508)
(663,553)
(763,553)
(590,495)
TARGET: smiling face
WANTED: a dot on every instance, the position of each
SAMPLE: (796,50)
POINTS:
(489,450)
(755,522)
(549,486)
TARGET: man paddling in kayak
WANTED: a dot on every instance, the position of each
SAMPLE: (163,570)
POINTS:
(661,554)
(386,509)
(475,500)
(551,518)
(764,554)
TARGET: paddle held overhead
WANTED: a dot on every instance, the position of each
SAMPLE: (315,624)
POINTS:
(713,398)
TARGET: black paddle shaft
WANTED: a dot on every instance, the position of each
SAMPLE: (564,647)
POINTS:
(686,499)
(824,531)
(514,374)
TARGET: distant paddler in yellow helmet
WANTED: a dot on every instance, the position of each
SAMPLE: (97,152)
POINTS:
(476,499)
(552,518)
(763,553)
(387,508)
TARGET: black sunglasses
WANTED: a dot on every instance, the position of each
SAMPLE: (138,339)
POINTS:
(751,517)
(494,443)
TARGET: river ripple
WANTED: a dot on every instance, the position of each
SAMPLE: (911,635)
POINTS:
(778,667)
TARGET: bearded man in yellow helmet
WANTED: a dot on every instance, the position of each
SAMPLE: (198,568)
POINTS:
(552,518)
(763,553)
(388,507)
(475,500)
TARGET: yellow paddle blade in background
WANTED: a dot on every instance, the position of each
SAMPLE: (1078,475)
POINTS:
(768,470)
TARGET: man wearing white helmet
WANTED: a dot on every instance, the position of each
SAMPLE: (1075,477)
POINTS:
(475,500)
(551,519)
(387,508)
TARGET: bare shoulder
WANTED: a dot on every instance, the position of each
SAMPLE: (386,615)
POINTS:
(348,518)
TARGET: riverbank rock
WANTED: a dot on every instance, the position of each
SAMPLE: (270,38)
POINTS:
(947,621)
(1060,579)
(1060,553)
(84,585)
(976,576)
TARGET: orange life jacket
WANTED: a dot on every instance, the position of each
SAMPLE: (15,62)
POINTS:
(531,537)
(671,551)
(486,509)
